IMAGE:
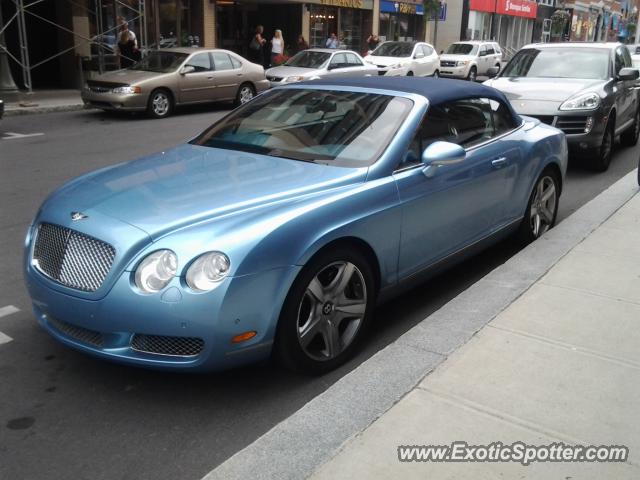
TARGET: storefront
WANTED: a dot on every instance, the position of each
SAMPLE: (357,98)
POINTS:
(350,20)
(509,22)
(401,21)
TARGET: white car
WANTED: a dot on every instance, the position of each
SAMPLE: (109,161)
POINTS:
(470,59)
(405,58)
(634,51)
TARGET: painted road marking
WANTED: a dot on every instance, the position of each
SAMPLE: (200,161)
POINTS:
(14,135)
(8,310)
(4,311)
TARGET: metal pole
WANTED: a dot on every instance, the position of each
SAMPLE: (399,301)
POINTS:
(24,47)
(7,85)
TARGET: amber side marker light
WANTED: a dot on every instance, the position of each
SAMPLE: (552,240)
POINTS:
(243,337)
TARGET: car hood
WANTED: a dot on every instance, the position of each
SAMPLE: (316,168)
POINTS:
(127,76)
(542,89)
(386,61)
(284,71)
(189,184)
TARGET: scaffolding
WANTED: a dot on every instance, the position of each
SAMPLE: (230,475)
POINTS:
(25,8)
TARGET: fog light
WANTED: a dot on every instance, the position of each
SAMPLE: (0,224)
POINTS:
(243,337)
(588,125)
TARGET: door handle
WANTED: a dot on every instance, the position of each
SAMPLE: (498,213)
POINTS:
(209,78)
(499,162)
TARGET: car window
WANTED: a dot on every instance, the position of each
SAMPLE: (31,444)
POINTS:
(201,62)
(503,120)
(353,60)
(427,50)
(222,61)
(490,50)
(465,122)
(236,63)
(496,47)
(483,51)
(626,57)
(339,60)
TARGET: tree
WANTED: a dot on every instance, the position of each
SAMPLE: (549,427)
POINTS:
(432,10)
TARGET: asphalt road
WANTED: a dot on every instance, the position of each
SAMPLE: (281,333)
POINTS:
(64,415)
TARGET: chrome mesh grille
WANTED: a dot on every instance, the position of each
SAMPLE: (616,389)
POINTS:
(77,333)
(72,258)
(161,345)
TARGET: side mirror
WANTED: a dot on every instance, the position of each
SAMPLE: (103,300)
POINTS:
(187,69)
(441,153)
(628,74)
(482,54)
(419,55)
(492,72)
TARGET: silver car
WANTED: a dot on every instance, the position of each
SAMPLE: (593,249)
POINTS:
(316,63)
(176,76)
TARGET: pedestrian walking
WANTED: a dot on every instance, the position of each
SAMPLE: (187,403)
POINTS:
(277,47)
(127,47)
(256,46)
(332,41)
(301,44)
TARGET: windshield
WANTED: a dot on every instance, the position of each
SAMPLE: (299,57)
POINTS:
(308,59)
(587,63)
(160,62)
(462,49)
(394,49)
(346,129)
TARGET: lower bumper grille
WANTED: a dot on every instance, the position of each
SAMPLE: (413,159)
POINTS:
(172,346)
(447,63)
(80,334)
(572,125)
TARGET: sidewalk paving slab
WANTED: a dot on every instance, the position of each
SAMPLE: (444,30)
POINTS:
(560,364)
(43,101)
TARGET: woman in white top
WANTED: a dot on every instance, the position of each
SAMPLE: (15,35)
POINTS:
(277,46)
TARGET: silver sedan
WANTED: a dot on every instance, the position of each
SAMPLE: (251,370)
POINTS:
(318,63)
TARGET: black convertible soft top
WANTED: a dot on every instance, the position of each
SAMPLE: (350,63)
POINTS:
(436,90)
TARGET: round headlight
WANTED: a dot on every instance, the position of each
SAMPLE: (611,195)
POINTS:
(207,271)
(156,271)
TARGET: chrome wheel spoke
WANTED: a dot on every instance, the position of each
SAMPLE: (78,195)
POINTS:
(331,337)
(339,283)
(316,290)
(548,193)
(536,225)
(315,326)
(546,216)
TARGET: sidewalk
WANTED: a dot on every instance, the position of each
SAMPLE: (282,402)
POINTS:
(560,364)
(42,101)
(543,349)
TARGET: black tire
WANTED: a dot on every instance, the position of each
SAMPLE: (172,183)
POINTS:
(409,74)
(160,103)
(601,156)
(630,136)
(526,231)
(288,347)
(473,74)
(497,65)
(246,92)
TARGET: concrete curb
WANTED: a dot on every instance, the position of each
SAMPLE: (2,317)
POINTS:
(16,111)
(298,445)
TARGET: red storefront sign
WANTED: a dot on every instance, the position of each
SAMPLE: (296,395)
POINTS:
(517,8)
(514,8)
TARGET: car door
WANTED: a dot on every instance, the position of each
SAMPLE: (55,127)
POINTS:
(462,202)
(418,61)
(482,60)
(355,66)
(198,84)
(630,87)
(227,75)
(431,62)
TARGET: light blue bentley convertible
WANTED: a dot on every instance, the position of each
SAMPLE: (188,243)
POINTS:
(278,229)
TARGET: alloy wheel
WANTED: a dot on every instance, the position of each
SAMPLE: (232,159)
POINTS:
(543,206)
(331,311)
(246,94)
(160,104)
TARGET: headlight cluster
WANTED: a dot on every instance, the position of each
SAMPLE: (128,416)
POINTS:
(461,63)
(585,101)
(158,268)
(396,66)
(128,90)
(296,78)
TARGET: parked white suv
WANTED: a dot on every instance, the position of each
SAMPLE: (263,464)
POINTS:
(469,59)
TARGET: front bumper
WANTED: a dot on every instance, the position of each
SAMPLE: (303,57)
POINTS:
(454,72)
(262,85)
(111,327)
(115,101)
